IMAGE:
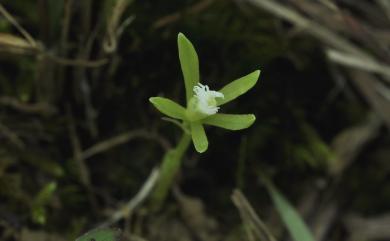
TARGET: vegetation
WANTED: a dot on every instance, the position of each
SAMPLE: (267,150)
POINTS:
(82,142)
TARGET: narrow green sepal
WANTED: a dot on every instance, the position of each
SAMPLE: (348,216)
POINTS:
(199,137)
(238,87)
(189,63)
(169,107)
(230,121)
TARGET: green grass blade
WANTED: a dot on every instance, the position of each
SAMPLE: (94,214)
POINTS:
(296,226)
(101,234)
(40,201)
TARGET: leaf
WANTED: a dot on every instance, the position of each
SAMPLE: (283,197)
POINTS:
(189,64)
(229,121)
(199,137)
(169,107)
(101,234)
(291,218)
(40,201)
(238,87)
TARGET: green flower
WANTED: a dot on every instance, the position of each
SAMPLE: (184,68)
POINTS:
(203,104)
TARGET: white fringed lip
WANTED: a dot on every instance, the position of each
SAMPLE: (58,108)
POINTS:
(206,103)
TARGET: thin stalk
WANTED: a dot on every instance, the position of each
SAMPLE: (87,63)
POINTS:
(169,168)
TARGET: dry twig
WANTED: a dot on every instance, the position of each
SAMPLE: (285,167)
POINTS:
(347,54)
(320,32)
(11,136)
(357,62)
(114,28)
(13,21)
(256,228)
(121,139)
(347,145)
(373,228)
(80,161)
(137,200)
(30,108)
(174,17)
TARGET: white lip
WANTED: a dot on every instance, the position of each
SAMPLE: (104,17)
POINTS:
(205,97)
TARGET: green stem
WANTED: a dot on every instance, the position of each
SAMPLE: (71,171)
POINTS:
(169,168)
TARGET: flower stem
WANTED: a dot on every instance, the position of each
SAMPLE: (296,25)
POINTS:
(169,168)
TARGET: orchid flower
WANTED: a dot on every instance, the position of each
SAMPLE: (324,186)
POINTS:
(203,105)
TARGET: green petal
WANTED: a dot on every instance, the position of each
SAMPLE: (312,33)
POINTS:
(199,137)
(189,64)
(238,87)
(230,122)
(169,107)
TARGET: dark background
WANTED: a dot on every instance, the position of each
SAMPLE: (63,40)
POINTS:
(57,101)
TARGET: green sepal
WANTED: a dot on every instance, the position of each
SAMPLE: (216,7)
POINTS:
(199,137)
(169,107)
(238,87)
(230,121)
(189,64)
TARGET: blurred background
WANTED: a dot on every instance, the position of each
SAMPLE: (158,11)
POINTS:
(79,138)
